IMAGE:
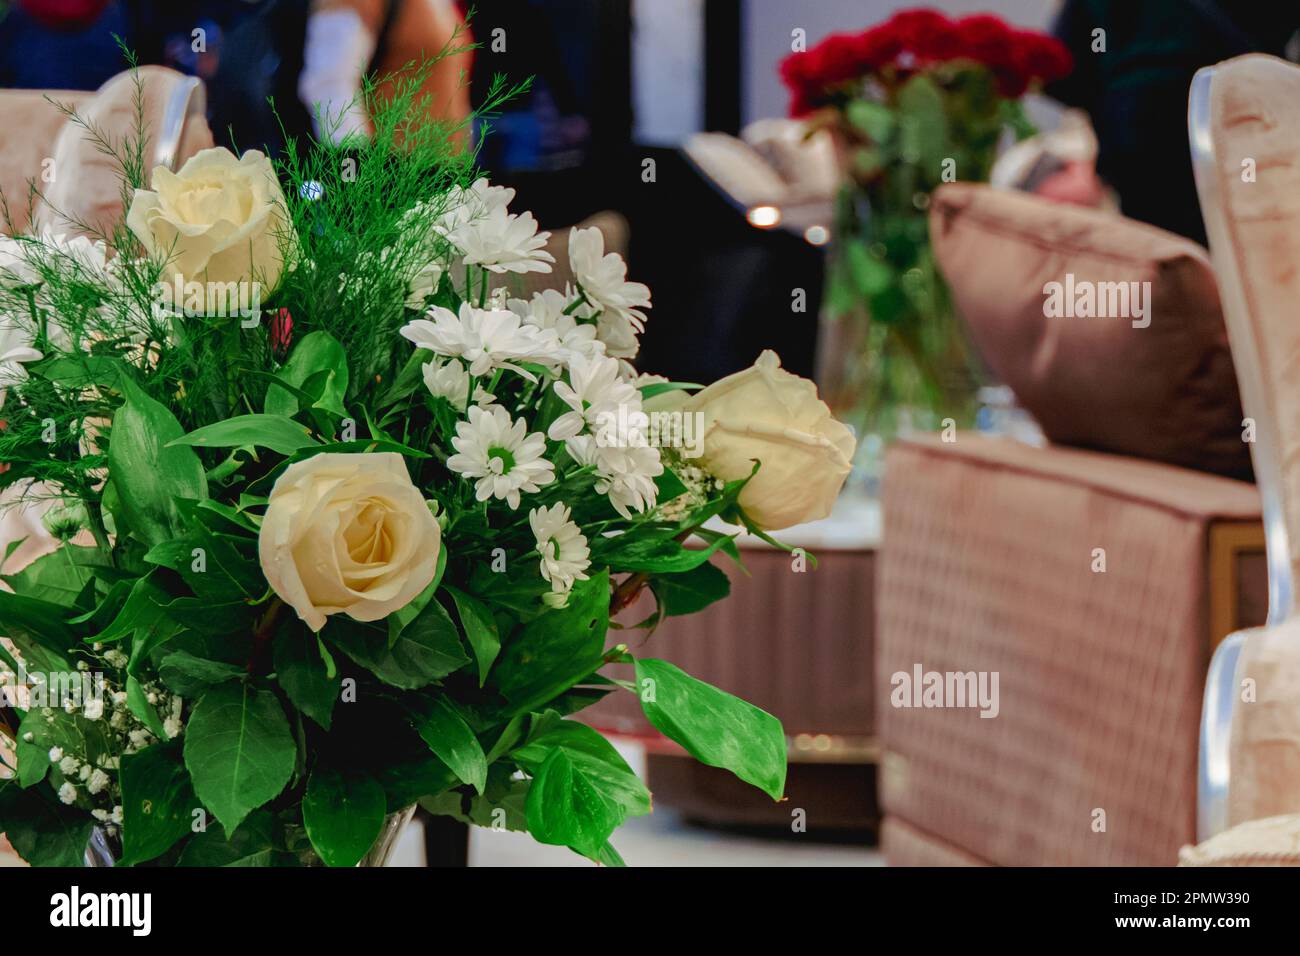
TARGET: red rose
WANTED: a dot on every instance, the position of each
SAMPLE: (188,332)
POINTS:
(926,33)
(877,47)
(1041,57)
(986,39)
(281,331)
(836,59)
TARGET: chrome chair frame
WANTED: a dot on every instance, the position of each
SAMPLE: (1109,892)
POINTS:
(1221,682)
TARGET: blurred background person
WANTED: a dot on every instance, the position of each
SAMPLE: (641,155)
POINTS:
(1133,77)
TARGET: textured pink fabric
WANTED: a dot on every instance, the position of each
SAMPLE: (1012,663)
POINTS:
(987,565)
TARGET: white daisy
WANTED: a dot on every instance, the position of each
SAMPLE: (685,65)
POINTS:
(487,339)
(501,454)
(595,388)
(503,242)
(625,474)
(447,380)
(15,351)
(549,309)
(564,551)
(603,279)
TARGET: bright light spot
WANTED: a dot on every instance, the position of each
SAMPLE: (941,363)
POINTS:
(311,190)
(764,217)
(817,235)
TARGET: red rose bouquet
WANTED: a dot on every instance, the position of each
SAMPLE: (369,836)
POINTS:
(916,101)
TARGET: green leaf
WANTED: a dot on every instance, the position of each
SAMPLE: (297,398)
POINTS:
(148,475)
(343,814)
(595,757)
(690,591)
(38,631)
(33,755)
(276,432)
(874,119)
(480,630)
(253,844)
(315,353)
(158,802)
(442,727)
(427,649)
(239,750)
(660,556)
(659,388)
(557,649)
(715,728)
(60,576)
(42,830)
(189,676)
(304,675)
(566,807)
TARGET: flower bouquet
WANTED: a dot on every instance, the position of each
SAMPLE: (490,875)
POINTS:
(912,103)
(340,523)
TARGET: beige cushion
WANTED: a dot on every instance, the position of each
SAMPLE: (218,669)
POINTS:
(1272,841)
(1165,392)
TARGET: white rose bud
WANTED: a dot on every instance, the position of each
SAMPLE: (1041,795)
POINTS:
(772,416)
(219,219)
(348,533)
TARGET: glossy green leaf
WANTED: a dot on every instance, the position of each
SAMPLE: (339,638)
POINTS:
(304,675)
(444,729)
(148,475)
(276,432)
(343,814)
(715,728)
(239,750)
(158,802)
(480,630)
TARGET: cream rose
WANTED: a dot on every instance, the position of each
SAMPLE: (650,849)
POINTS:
(772,416)
(348,533)
(219,219)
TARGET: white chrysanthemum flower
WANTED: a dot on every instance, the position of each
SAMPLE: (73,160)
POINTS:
(15,269)
(501,454)
(447,380)
(424,284)
(68,793)
(603,279)
(15,351)
(503,242)
(486,339)
(90,255)
(69,765)
(549,310)
(594,389)
(624,473)
(564,551)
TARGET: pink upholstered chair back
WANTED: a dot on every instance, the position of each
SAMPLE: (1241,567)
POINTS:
(1244,125)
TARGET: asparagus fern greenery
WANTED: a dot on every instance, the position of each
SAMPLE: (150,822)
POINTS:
(335,517)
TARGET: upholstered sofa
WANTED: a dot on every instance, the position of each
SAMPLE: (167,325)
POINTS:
(1095,581)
